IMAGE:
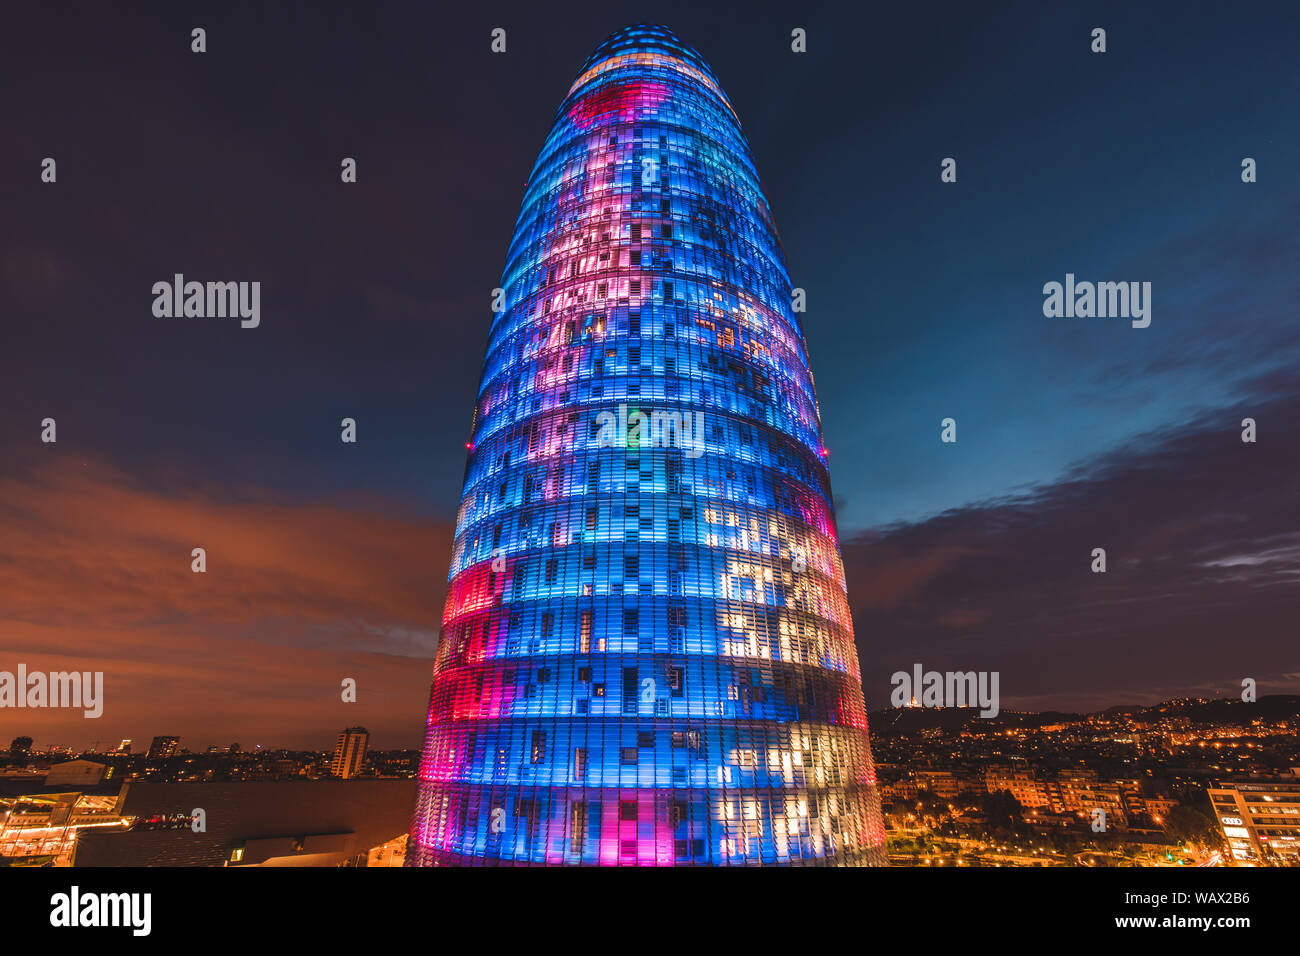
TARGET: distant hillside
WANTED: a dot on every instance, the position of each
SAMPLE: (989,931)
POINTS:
(906,721)
(1222,711)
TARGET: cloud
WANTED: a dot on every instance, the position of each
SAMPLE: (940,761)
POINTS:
(1202,535)
(96,571)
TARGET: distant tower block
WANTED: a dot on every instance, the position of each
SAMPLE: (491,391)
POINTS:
(350,752)
(164,746)
(647,656)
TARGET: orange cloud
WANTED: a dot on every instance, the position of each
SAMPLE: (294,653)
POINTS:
(95,574)
(962,617)
(885,582)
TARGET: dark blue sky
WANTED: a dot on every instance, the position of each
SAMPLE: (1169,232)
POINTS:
(924,298)
(1116,166)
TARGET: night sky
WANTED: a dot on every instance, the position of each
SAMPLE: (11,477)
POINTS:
(328,560)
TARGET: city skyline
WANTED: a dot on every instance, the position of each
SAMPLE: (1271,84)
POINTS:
(328,736)
(1184,783)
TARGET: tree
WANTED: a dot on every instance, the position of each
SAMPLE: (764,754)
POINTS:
(1003,810)
(1190,824)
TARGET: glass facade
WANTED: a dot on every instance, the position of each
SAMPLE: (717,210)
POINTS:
(647,656)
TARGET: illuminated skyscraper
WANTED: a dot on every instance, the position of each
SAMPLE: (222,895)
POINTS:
(164,746)
(646,655)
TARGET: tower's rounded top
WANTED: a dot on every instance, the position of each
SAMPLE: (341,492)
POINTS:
(637,46)
(645,38)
